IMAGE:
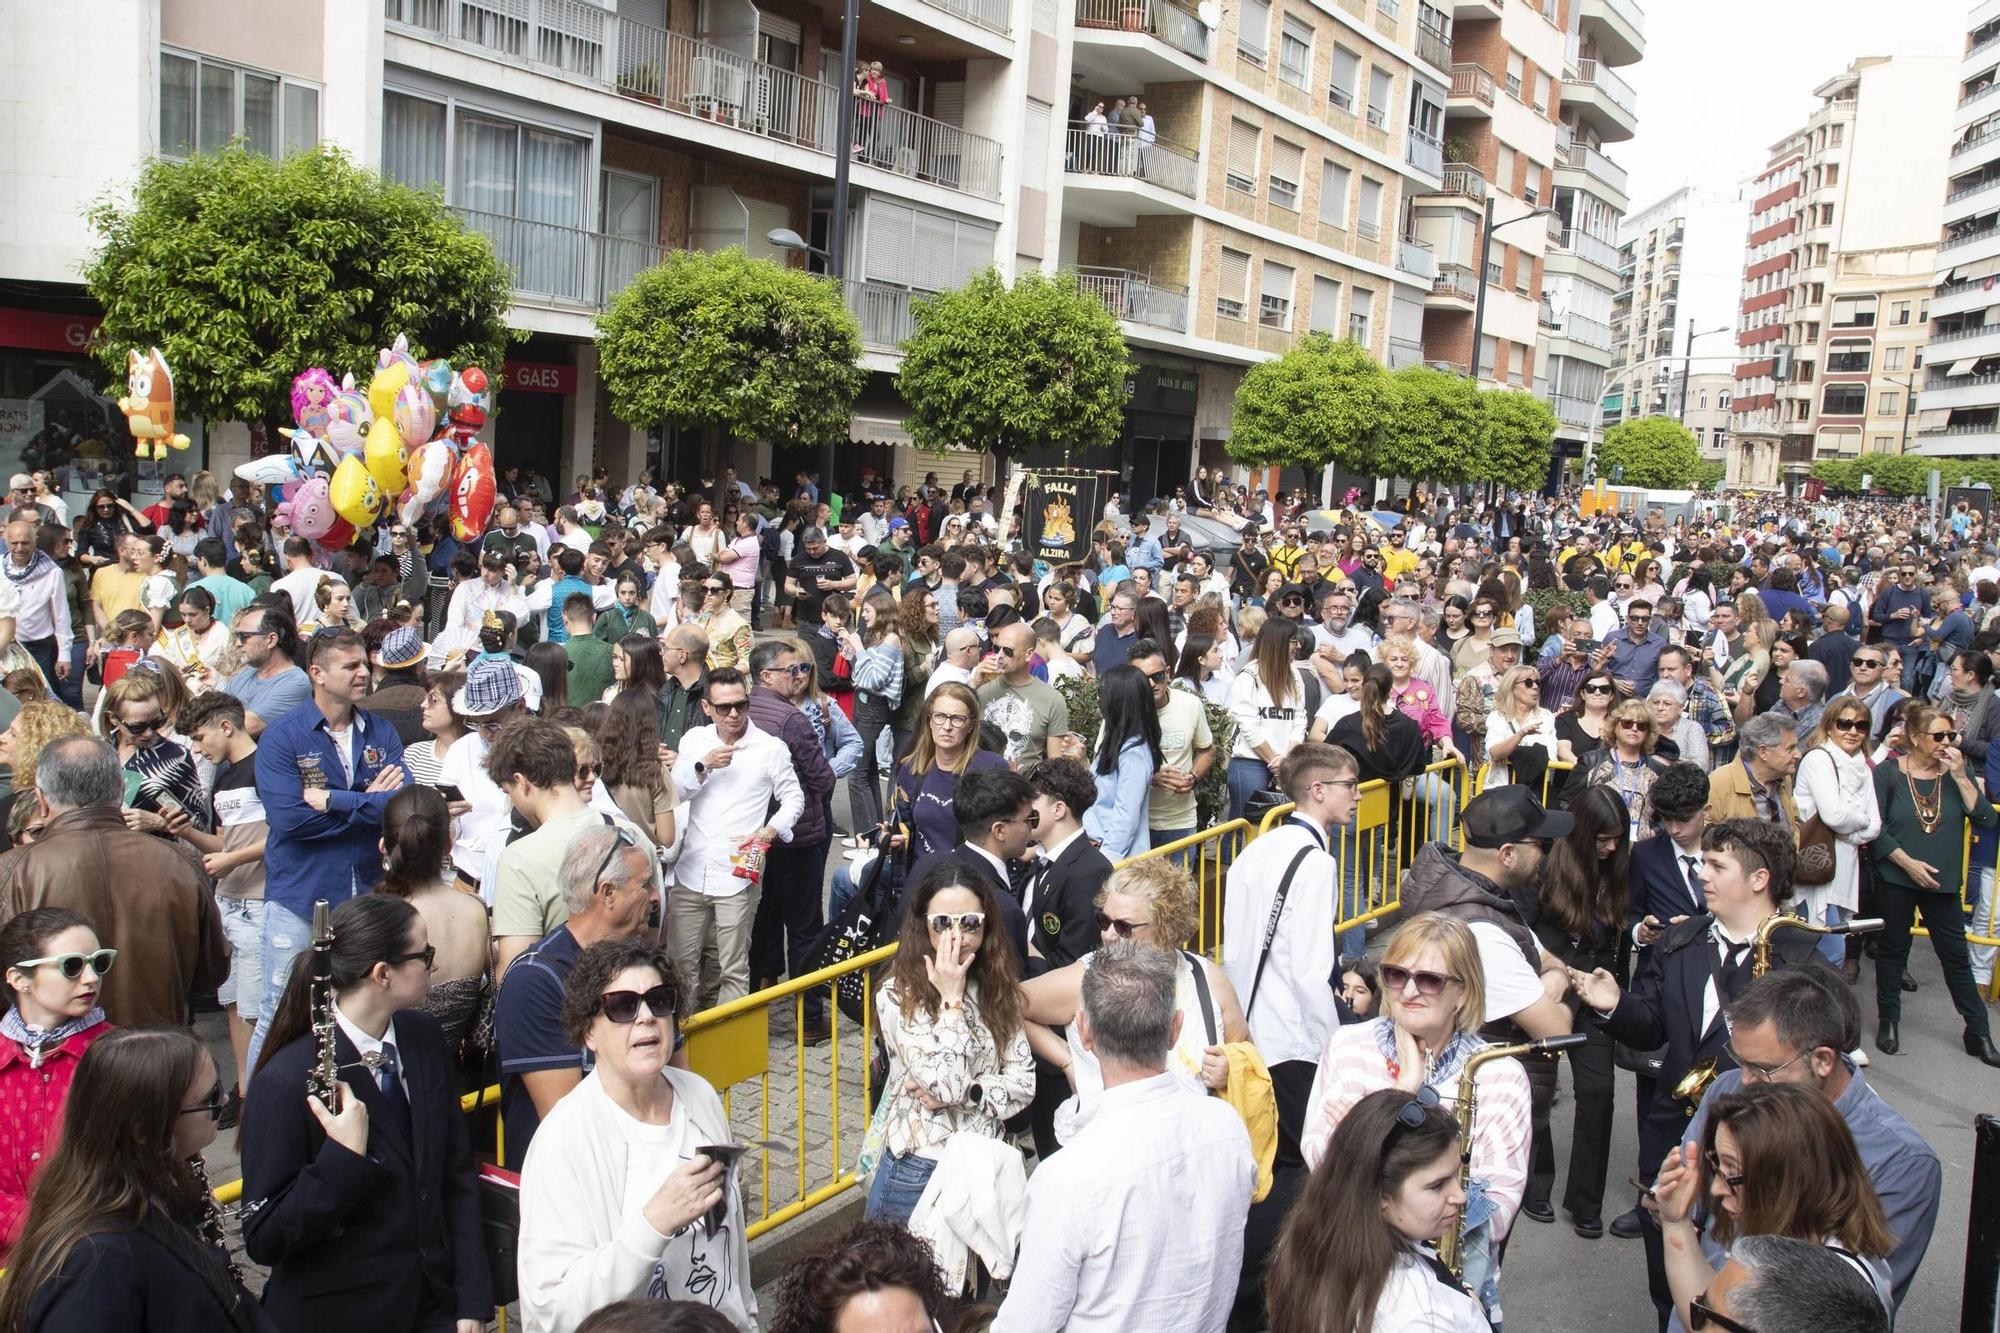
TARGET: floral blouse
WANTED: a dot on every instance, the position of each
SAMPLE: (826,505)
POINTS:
(1420,703)
(948,1056)
(729,639)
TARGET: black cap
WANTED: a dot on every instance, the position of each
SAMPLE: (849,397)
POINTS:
(1291,590)
(1501,815)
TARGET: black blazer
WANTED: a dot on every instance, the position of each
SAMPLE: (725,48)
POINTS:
(1065,922)
(1664,1008)
(144,1279)
(1011,919)
(1659,884)
(364,1242)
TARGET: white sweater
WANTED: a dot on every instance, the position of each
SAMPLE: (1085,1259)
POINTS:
(585,1244)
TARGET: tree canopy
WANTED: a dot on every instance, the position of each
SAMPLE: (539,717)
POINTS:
(1435,427)
(1322,402)
(245,271)
(1514,448)
(1903,474)
(1652,451)
(1000,369)
(721,339)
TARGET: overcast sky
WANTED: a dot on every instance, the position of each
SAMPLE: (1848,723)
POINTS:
(1722,80)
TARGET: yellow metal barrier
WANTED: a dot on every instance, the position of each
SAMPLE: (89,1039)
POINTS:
(1208,855)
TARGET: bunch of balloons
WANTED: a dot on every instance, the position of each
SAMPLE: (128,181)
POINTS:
(409,443)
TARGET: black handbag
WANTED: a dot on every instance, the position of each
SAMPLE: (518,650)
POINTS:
(500,1219)
(860,927)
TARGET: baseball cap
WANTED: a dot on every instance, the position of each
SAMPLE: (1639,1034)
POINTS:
(898,522)
(21,481)
(1503,638)
(1501,815)
(1291,590)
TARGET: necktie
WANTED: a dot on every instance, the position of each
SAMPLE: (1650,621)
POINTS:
(392,1087)
(1694,879)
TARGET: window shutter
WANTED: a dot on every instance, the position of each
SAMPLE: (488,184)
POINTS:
(949,103)
(785,30)
(974,251)
(717,218)
(1243,151)
(1036,122)
(1232,274)
(1326,306)
(933,255)
(765,217)
(890,241)
(1277,281)
(1287,160)
(1253,29)
(1334,180)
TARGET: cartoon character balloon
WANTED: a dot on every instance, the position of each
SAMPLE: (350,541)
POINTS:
(148,404)
(312,510)
(354,494)
(312,400)
(415,415)
(384,455)
(472,491)
(436,377)
(468,401)
(430,468)
(338,537)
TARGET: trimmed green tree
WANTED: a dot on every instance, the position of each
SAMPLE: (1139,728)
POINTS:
(1322,402)
(244,271)
(1710,475)
(1520,433)
(1653,451)
(744,345)
(1434,427)
(1001,369)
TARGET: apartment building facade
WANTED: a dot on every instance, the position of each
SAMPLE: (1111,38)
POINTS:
(1646,313)
(1844,220)
(1959,399)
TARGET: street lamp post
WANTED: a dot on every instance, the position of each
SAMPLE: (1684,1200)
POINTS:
(1909,406)
(1687,363)
(1485,258)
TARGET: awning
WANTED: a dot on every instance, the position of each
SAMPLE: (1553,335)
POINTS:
(878,430)
(1962,367)
(1933,418)
(1943,276)
(1977,268)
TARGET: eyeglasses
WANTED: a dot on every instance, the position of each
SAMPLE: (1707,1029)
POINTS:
(1396,978)
(953,720)
(588,772)
(1869,662)
(622,1006)
(210,1105)
(1123,929)
(1633,724)
(71,965)
(1947,737)
(1767,1073)
(726,710)
(796,669)
(428,953)
(1702,1315)
(1596,689)
(245,635)
(1850,724)
(151,726)
(969,922)
(1715,1166)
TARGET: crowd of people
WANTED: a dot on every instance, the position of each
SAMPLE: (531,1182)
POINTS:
(563,785)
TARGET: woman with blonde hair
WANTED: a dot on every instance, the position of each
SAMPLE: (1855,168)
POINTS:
(1518,728)
(1433,1004)
(1748,669)
(22,743)
(1626,763)
(1836,783)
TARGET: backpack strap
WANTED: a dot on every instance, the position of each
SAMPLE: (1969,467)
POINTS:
(1271,926)
(1202,993)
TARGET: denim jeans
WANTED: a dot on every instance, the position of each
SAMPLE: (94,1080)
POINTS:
(1982,924)
(1833,948)
(243,923)
(897,1185)
(1160,837)
(1247,777)
(286,936)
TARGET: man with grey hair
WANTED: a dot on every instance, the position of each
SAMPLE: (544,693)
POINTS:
(1775,1284)
(1138,1222)
(1758,785)
(611,893)
(147,896)
(1402,617)
(1802,695)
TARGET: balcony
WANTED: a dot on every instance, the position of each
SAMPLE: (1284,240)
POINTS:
(1113,179)
(1166,23)
(1545,314)
(1134,298)
(1404,352)
(1618,28)
(562,267)
(1416,259)
(1590,332)
(1968,235)
(1471,88)
(1590,248)
(1795,449)
(1602,100)
(1463,187)
(1967,391)
(1433,48)
(1425,152)
(1979,94)
(884,314)
(1455,285)
(1579,412)
(1983,139)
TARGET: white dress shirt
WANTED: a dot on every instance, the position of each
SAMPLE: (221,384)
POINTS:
(1138,1223)
(1292,1013)
(365,1046)
(1416,1298)
(727,805)
(39,606)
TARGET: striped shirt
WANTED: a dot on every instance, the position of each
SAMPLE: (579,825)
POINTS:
(1352,1067)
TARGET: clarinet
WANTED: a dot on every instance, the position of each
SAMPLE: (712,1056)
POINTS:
(212,1228)
(322,1080)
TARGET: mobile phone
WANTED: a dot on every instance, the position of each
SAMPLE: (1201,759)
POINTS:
(725,1153)
(168,805)
(449,792)
(1633,1181)
(1693,638)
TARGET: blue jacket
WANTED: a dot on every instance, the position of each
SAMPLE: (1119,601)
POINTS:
(332,854)
(1118,819)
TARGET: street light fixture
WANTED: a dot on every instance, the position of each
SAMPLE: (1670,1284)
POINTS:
(1687,362)
(786,239)
(1485,259)
(1909,406)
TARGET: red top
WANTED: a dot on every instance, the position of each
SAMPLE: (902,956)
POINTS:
(31,1110)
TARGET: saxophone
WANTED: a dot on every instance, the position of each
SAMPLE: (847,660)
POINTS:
(1694,1084)
(322,1080)
(1451,1244)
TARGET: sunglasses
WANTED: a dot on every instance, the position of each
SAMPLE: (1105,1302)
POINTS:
(712,588)
(969,922)
(1124,929)
(1157,677)
(796,669)
(726,710)
(71,965)
(210,1105)
(1597,689)
(588,772)
(428,953)
(245,635)
(1528,684)
(1715,1166)
(1414,1112)
(1630,724)
(1869,662)
(1850,724)
(1945,736)
(1702,1315)
(622,1006)
(150,727)
(1396,978)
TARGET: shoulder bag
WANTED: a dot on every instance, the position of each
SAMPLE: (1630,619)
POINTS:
(1271,927)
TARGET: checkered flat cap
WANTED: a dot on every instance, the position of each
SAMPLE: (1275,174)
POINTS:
(490,685)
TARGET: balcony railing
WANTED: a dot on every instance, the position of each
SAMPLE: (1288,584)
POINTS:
(1474,81)
(1137,299)
(1177,27)
(993,15)
(1433,48)
(1462,179)
(1969,236)
(692,78)
(1425,152)
(1600,77)
(1455,280)
(1971,188)
(1630,12)
(1983,91)
(1960,335)
(1167,165)
(1416,258)
(1545,313)
(1980,139)
(1585,246)
(1556,228)
(1573,411)
(1582,157)
(1404,352)
(1983,44)
(1591,332)
(1941,379)
(884,313)
(562,265)
(1973,428)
